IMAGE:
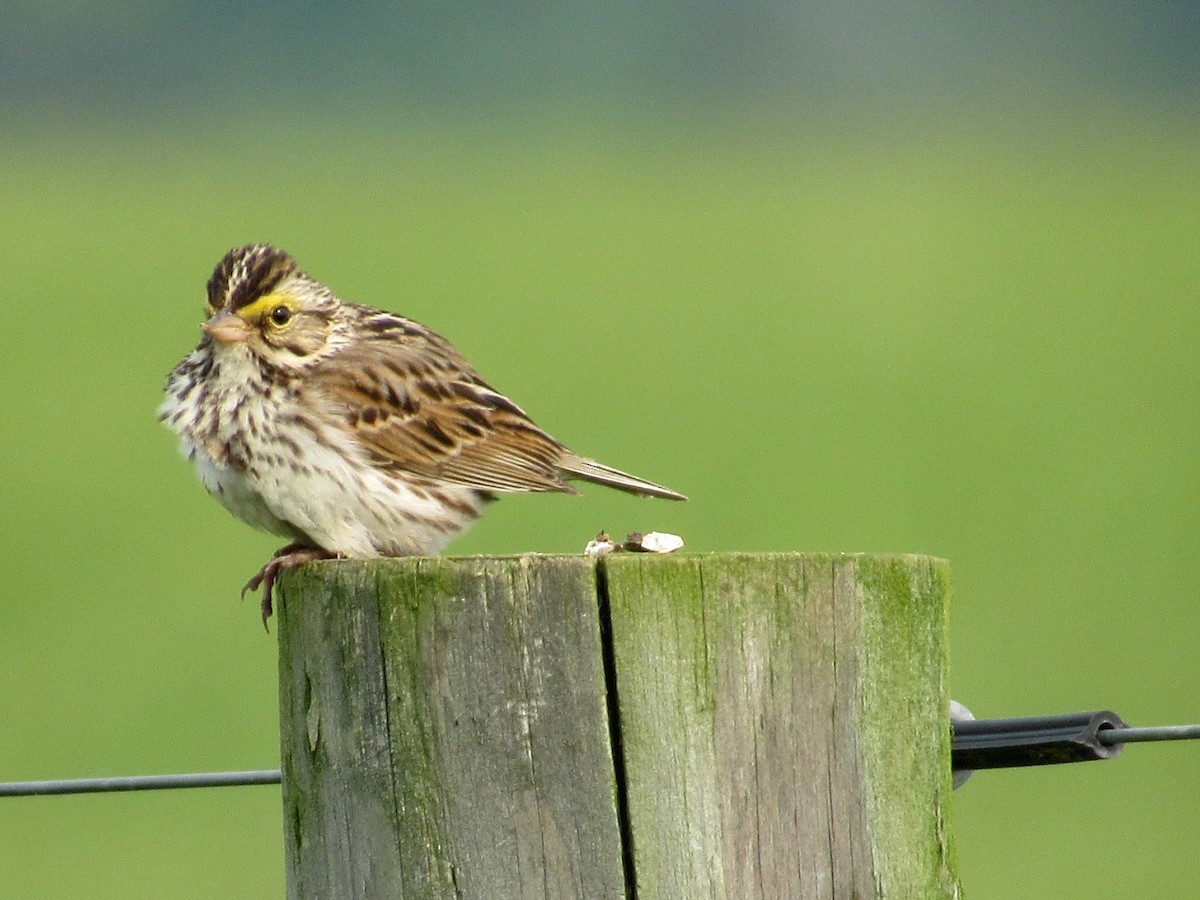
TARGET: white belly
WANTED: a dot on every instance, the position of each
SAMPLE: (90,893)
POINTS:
(330,499)
(239,497)
(309,482)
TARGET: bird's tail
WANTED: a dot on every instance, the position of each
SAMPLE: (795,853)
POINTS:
(590,470)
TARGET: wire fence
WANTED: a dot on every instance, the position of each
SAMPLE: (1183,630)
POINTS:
(139,783)
(978,743)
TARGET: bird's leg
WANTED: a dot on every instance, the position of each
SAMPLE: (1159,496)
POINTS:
(285,558)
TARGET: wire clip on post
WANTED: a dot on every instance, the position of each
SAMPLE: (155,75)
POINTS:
(1047,740)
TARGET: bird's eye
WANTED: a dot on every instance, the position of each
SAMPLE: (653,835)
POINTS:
(280,315)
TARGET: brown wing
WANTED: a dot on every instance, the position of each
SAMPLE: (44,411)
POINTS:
(410,399)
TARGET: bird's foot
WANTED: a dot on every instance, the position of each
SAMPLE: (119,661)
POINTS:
(284,558)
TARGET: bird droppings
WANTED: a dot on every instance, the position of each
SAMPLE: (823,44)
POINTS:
(635,542)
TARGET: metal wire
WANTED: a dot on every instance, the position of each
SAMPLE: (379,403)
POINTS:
(1106,736)
(1111,736)
(138,783)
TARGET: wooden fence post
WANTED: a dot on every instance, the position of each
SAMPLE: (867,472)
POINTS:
(724,726)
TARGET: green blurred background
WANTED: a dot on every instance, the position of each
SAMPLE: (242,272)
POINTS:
(919,280)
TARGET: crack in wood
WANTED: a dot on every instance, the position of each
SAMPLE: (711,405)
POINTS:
(616,742)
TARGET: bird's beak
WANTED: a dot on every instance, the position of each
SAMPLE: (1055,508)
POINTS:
(227,327)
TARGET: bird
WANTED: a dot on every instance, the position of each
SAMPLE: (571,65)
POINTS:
(350,431)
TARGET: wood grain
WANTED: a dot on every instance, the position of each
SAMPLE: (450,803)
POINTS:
(723,726)
(782,724)
(445,731)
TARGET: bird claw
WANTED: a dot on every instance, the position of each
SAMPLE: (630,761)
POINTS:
(285,558)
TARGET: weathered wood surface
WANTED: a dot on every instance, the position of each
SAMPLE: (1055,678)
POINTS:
(784,725)
(448,726)
(445,731)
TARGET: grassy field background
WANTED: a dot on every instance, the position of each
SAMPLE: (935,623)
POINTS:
(969,335)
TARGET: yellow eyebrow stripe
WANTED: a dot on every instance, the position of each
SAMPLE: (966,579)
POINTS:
(263,306)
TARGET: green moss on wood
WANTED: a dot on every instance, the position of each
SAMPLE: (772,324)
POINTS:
(477,754)
(781,719)
(768,708)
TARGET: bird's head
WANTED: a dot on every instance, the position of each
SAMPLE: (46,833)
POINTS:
(260,300)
